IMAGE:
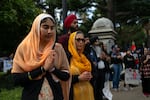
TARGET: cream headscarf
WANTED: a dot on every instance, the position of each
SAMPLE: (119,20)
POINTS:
(28,55)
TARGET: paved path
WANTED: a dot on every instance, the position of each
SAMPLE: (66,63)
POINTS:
(135,94)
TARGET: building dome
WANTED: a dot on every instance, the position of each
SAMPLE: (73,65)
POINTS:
(102,25)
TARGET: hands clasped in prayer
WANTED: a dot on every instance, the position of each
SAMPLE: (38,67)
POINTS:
(85,76)
(49,62)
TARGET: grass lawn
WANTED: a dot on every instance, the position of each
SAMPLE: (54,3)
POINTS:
(11,94)
(7,89)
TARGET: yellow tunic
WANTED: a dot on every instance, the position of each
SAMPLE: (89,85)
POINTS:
(82,90)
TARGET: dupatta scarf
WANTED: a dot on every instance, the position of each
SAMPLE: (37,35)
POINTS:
(78,60)
(82,90)
(28,56)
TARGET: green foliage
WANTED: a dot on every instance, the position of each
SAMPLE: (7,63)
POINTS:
(129,33)
(53,4)
(88,23)
(133,10)
(78,5)
(17,16)
(15,21)
(130,14)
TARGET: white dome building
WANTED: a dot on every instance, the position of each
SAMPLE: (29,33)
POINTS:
(104,29)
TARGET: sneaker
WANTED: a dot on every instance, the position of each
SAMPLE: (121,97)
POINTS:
(125,89)
(104,98)
(115,89)
(130,88)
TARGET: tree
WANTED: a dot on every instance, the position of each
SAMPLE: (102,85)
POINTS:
(129,14)
(130,33)
(131,11)
(15,21)
(17,16)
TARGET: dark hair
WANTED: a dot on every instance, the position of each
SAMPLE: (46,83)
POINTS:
(44,20)
(80,32)
(93,39)
(87,35)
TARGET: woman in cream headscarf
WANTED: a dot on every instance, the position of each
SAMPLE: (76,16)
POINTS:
(80,68)
(40,65)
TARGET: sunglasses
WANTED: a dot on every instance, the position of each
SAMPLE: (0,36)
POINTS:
(80,39)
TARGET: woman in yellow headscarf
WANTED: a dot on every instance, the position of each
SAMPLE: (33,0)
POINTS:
(40,65)
(80,68)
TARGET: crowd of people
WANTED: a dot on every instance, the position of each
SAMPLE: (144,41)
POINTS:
(72,67)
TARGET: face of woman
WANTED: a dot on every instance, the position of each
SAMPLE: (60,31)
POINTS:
(80,42)
(47,30)
(145,50)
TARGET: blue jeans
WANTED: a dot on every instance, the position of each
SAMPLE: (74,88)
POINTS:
(117,68)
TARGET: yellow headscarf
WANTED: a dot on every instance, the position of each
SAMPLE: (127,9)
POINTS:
(28,56)
(78,60)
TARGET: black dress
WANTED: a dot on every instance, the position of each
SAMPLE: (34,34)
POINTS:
(145,70)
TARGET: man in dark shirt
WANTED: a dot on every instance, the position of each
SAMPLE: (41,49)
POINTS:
(129,62)
(70,25)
